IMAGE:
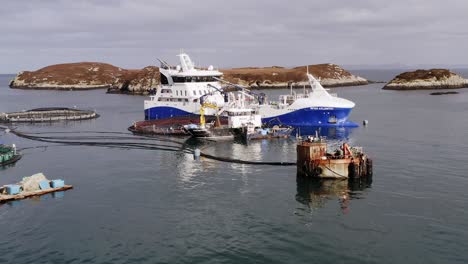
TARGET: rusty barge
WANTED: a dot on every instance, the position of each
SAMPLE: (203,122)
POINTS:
(173,126)
(314,160)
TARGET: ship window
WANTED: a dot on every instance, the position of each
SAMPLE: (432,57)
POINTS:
(178,79)
(185,92)
(183,79)
(199,92)
(164,79)
(179,99)
(194,92)
(195,100)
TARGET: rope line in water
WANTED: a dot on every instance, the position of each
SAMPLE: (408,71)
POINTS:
(83,141)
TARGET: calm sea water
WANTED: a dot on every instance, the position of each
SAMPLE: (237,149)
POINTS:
(153,206)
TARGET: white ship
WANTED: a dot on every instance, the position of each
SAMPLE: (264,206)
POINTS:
(183,87)
(181,90)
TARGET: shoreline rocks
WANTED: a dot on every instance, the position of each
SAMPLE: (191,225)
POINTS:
(427,80)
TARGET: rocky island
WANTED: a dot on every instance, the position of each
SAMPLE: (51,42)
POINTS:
(88,75)
(94,75)
(330,75)
(427,79)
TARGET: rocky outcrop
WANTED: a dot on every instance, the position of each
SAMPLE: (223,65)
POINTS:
(330,75)
(136,81)
(94,75)
(71,76)
(88,75)
(426,79)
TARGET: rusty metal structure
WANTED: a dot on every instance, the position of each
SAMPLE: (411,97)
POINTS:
(314,160)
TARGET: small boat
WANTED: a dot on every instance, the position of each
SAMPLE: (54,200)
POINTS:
(238,117)
(213,130)
(250,132)
(210,131)
(8,155)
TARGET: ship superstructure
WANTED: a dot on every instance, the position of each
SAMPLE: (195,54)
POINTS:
(182,88)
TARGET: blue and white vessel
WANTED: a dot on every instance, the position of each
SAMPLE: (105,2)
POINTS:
(315,108)
(181,90)
(183,86)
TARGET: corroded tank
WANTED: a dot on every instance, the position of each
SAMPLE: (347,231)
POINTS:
(314,160)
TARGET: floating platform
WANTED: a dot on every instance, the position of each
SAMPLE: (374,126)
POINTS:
(23,195)
(173,126)
(313,160)
(34,185)
(49,114)
(249,133)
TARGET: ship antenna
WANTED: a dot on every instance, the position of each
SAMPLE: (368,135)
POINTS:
(164,64)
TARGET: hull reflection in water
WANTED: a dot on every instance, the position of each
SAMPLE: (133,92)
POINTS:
(328,132)
(315,193)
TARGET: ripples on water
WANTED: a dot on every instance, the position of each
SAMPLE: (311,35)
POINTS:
(141,206)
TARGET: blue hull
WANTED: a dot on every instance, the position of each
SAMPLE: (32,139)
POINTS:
(313,117)
(301,117)
(162,112)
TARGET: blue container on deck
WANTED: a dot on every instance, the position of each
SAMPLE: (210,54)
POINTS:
(12,189)
(57,183)
(44,185)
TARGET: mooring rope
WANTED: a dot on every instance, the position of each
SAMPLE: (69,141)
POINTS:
(84,140)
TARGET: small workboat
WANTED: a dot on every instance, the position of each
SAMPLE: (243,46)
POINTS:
(8,155)
(210,131)
(238,117)
(250,132)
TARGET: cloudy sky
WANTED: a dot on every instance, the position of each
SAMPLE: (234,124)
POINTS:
(133,33)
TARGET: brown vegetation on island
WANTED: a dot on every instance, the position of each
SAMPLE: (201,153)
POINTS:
(438,74)
(330,75)
(94,75)
(88,75)
(426,79)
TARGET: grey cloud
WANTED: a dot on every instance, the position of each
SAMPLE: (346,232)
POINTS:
(132,33)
